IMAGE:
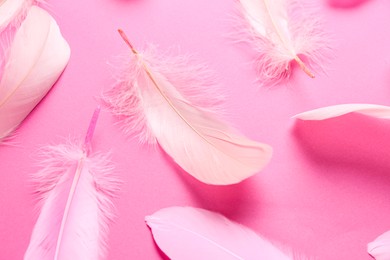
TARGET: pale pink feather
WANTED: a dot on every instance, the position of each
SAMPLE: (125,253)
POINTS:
(12,12)
(75,190)
(191,233)
(377,111)
(37,57)
(175,110)
(380,247)
(281,32)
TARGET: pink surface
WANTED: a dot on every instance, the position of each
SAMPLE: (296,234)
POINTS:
(326,199)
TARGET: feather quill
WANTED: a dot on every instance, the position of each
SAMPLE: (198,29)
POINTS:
(166,104)
(75,188)
(192,233)
(282,31)
(376,111)
(37,57)
(380,247)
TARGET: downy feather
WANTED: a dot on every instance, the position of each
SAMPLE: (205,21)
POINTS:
(377,111)
(37,57)
(191,233)
(75,190)
(281,32)
(165,103)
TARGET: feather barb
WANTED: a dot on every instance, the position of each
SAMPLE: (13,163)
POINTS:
(282,39)
(147,70)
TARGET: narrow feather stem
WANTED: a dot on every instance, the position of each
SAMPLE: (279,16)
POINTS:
(76,178)
(75,181)
(127,41)
(304,67)
(283,40)
(91,129)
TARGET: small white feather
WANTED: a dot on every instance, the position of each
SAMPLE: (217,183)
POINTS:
(282,31)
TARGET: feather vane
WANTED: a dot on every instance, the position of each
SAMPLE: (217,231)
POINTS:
(380,247)
(37,57)
(282,31)
(182,121)
(193,233)
(376,111)
(75,189)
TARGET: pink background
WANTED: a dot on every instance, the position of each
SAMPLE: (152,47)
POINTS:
(326,192)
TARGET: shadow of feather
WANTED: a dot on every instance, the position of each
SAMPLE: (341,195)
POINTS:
(346,3)
(352,140)
(220,198)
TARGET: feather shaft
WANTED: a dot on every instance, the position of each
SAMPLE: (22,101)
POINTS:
(75,181)
(76,187)
(147,70)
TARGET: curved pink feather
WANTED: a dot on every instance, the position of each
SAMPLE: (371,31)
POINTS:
(323,113)
(76,190)
(168,101)
(380,247)
(37,57)
(191,234)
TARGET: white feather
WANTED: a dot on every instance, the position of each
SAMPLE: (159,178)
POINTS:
(75,190)
(38,56)
(282,31)
(181,118)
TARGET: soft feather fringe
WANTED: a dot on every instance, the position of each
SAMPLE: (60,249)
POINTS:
(195,82)
(54,159)
(311,42)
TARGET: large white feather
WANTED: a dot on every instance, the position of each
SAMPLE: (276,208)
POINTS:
(185,233)
(282,31)
(166,103)
(75,190)
(37,57)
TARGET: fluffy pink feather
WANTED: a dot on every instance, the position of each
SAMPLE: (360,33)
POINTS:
(37,57)
(380,247)
(166,102)
(192,233)
(281,32)
(323,113)
(75,188)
